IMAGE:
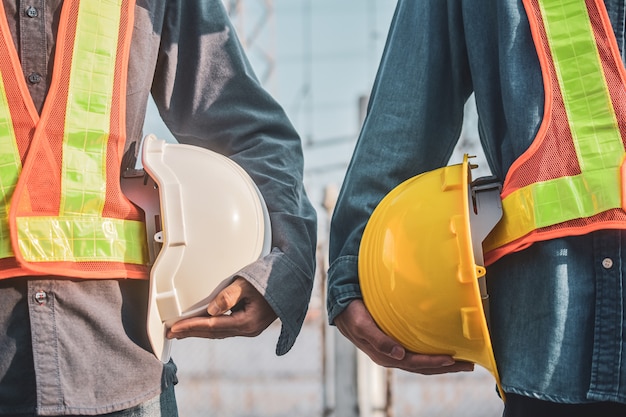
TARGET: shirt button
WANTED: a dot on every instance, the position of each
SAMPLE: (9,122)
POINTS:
(41,297)
(31,12)
(34,78)
(607,263)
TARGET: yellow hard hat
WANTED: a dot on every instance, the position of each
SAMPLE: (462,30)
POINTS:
(420,263)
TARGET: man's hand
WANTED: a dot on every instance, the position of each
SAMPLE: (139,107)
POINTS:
(356,323)
(238,310)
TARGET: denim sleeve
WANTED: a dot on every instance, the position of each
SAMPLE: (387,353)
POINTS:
(413,122)
(208,95)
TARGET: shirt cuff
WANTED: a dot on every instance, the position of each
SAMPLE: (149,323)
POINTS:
(343,285)
(287,289)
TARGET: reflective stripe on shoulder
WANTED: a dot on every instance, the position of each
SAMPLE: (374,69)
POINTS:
(88,113)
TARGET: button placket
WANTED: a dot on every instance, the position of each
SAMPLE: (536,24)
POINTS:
(32,48)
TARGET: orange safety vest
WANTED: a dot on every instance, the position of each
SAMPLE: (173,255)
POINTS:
(62,211)
(570,180)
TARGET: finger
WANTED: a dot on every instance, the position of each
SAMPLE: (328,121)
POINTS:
(217,327)
(414,362)
(226,299)
(381,343)
(458,366)
(357,324)
(249,321)
(387,352)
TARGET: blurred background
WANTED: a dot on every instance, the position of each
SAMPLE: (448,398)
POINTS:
(318,58)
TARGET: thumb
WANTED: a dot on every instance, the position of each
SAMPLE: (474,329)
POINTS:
(225,299)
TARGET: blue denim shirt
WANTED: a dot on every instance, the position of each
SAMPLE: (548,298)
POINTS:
(558,307)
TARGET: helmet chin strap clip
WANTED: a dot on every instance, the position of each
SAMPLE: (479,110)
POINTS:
(487,212)
(143,191)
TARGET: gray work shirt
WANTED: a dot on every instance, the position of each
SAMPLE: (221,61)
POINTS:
(75,346)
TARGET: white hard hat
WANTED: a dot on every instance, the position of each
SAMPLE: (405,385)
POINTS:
(214,223)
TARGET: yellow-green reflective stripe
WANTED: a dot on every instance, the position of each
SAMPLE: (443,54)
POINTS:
(10,168)
(583,85)
(80,239)
(87,122)
(594,128)
(80,233)
(569,198)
